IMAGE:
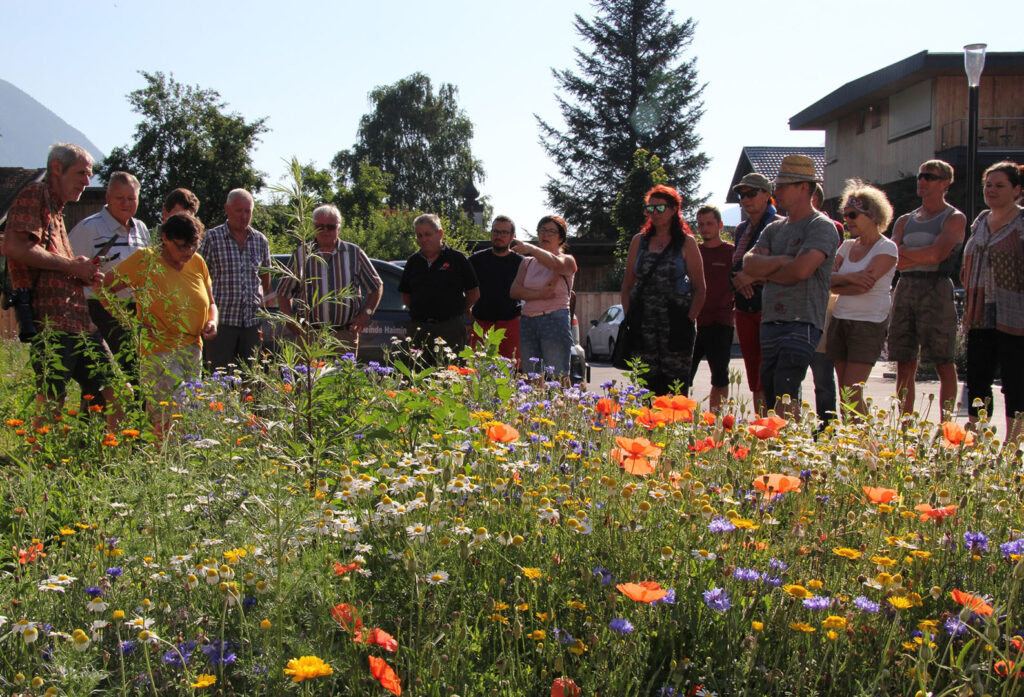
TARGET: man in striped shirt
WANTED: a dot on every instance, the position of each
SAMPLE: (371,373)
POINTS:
(332,282)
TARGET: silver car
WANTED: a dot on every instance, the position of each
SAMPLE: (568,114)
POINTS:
(603,330)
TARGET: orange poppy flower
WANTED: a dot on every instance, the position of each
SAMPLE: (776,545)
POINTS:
(645,592)
(771,421)
(345,615)
(342,569)
(971,602)
(1004,669)
(728,421)
(702,446)
(708,418)
(564,687)
(740,451)
(762,432)
(461,371)
(382,639)
(926,511)
(607,406)
(954,433)
(877,494)
(633,454)
(383,672)
(774,484)
(502,433)
(650,419)
(677,407)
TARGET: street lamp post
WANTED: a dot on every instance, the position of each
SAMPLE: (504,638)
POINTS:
(974,64)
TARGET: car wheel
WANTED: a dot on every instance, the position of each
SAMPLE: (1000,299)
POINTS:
(588,352)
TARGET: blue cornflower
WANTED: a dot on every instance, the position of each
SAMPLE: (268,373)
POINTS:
(668,599)
(93,591)
(777,564)
(181,656)
(127,647)
(717,599)
(773,581)
(720,524)
(818,602)
(742,574)
(115,571)
(865,605)
(605,574)
(248,602)
(219,652)
(954,626)
(1012,547)
(668,691)
(562,636)
(976,541)
(620,625)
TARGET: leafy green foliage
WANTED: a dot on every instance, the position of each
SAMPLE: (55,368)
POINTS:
(186,139)
(628,212)
(632,90)
(418,138)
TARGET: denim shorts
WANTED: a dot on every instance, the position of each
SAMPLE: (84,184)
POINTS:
(547,338)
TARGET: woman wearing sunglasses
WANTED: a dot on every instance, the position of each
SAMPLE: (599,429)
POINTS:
(663,288)
(862,278)
(993,279)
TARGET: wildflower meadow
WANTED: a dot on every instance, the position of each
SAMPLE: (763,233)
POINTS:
(318,526)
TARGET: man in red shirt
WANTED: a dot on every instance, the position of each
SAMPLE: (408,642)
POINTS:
(715,321)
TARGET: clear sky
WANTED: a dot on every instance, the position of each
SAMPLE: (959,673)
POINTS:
(308,67)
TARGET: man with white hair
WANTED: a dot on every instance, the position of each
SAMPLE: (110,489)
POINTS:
(50,280)
(110,237)
(321,272)
(238,258)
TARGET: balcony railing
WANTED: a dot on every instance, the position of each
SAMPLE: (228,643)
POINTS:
(993,132)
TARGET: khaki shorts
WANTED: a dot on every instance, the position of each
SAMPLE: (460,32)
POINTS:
(855,341)
(923,319)
(163,372)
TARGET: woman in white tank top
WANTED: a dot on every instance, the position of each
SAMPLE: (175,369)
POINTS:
(862,278)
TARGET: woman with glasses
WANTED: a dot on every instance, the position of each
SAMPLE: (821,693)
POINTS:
(544,281)
(174,298)
(993,279)
(862,278)
(755,194)
(664,289)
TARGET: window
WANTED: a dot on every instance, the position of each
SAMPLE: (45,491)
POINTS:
(910,111)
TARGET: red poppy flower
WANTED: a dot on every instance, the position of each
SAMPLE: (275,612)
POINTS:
(607,406)
(762,432)
(345,615)
(708,418)
(677,407)
(502,433)
(702,446)
(645,592)
(771,421)
(382,639)
(1004,669)
(740,451)
(564,687)
(926,511)
(383,672)
(461,371)
(342,569)
(877,494)
(955,434)
(728,421)
(971,602)
(651,419)
(774,484)
(26,556)
(633,454)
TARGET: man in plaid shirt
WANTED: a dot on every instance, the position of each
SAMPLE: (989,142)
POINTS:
(324,269)
(238,258)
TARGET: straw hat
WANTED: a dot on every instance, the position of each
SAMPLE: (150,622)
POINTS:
(795,169)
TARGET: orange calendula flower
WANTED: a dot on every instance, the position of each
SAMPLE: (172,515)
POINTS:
(971,602)
(385,675)
(307,668)
(927,512)
(15,422)
(633,454)
(502,433)
(877,494)
(645,592)
(774,484)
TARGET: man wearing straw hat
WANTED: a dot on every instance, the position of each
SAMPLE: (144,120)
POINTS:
(795,256)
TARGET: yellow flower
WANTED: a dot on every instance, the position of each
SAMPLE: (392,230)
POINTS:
(578,648)
(577,605)
(883,562)
(801,627)
(265,625)
(847,552)
(745,524)
(523,607)
(815,584)
(900,603)
(885,508)
(537,635)
(757,626)
(204,680)
(498,617)
(832,636)
(797,591)
(543,616)
(118,615)
(834,622)
(306,668)
(531,573)
(500,606)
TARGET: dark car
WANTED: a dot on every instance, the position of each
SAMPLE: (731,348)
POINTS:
(389,321)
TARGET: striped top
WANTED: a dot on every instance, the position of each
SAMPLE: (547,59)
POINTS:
(318,279)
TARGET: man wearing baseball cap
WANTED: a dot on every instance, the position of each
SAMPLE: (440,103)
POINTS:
(795,257)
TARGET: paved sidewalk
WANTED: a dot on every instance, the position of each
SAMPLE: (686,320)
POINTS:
(881,386)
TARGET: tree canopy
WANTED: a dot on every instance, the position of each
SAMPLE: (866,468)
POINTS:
(186,138)
(631,91)
(421,140)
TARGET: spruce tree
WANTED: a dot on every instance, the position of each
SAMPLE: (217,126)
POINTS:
(631,90)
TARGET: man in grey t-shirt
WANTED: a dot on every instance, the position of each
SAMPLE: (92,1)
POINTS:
(794,257)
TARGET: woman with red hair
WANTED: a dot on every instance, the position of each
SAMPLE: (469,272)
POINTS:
(664,290)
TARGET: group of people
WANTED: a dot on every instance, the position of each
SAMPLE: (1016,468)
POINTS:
(799,296)
(796,294)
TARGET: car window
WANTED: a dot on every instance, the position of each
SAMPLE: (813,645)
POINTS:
(391,299)
(614,313)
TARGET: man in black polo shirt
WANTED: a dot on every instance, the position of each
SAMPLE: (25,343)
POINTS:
(496,270)
(438,286)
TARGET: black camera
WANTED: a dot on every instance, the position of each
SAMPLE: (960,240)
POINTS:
(21,300)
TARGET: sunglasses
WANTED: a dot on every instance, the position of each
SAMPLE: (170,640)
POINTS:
(749,193)
(929,177)
(656,208)
(852,215)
